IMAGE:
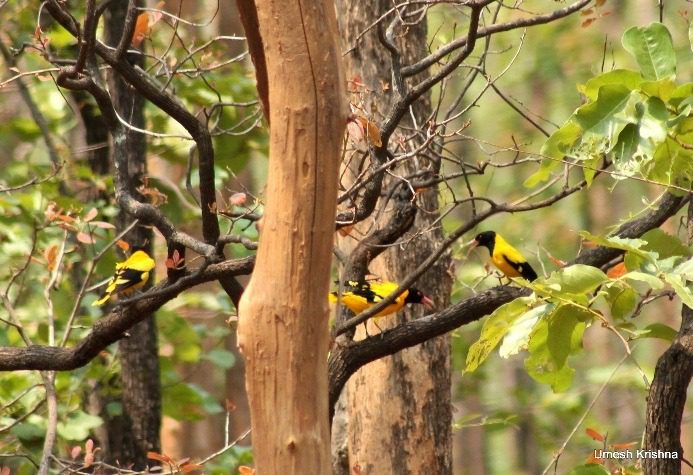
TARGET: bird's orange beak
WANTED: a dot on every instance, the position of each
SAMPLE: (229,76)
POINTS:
(427,302)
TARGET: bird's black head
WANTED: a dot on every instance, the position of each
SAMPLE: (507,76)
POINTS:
(486,239)
(416,296)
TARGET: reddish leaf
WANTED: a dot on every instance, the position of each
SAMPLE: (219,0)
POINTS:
(91,214)
(75,451)
(594,460)
(190,467)
(238,199)
(372,131)
(102,225)
(52,211)
(5,470)
(159,457)
(355,132)
(85,238)
(122,244)
(587,22)
(617,271)
(594,434)
(67,227)
(245,470)
(88,459)
(599,3)
(183,461)
(65,218)
(50,254)
(89,446)
(586,12)
(141,29)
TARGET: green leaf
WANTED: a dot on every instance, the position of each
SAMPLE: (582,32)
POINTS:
(224,359)
(650,280)
(78,425)
(622,299)
(518,335)
(656,330)
(653,49)
(684,292)
(605,118)
(627,144)
(625,244)
(565,327)
(653,123)
(665,245)
(577,279)
(662,89)
(495,328)
(623,77)
(684,269)
(556,147)
(541,364)
(589,469)
(28,431)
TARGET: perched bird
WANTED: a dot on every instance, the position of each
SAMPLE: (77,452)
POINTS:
(505,257)
(358,296)
(130,275)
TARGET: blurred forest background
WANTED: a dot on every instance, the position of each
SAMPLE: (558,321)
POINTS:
(504,422)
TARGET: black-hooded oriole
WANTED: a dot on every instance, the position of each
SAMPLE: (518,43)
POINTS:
(358,296)
(505,257)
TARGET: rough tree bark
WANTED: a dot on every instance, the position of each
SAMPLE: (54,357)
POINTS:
(133,433)
(283,331)
(400,405)
(667,397)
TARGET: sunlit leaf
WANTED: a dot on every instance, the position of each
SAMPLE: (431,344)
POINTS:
(494,329)
(653,49)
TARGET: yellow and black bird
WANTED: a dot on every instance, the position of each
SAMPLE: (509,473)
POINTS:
(358,296)
(505,257)
(130,275)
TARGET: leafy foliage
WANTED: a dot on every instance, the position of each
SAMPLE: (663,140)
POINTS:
(641,121)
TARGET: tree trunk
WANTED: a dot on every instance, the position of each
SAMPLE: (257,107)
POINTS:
(135,432)
(399,407)
(667,397)
(283,330)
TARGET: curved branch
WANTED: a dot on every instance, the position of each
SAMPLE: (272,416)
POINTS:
(110,329)
(152,91)
(490,30)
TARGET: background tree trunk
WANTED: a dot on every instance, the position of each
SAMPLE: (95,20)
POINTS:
(667,397)
(400,405)
(283,331)
(133,433)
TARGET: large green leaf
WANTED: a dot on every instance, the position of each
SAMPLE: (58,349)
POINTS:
(624,77)
(665,245)
(542,366)
(566,326)
(653,49)
(577,279)
(603,120)
(495,328)
(518,335)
